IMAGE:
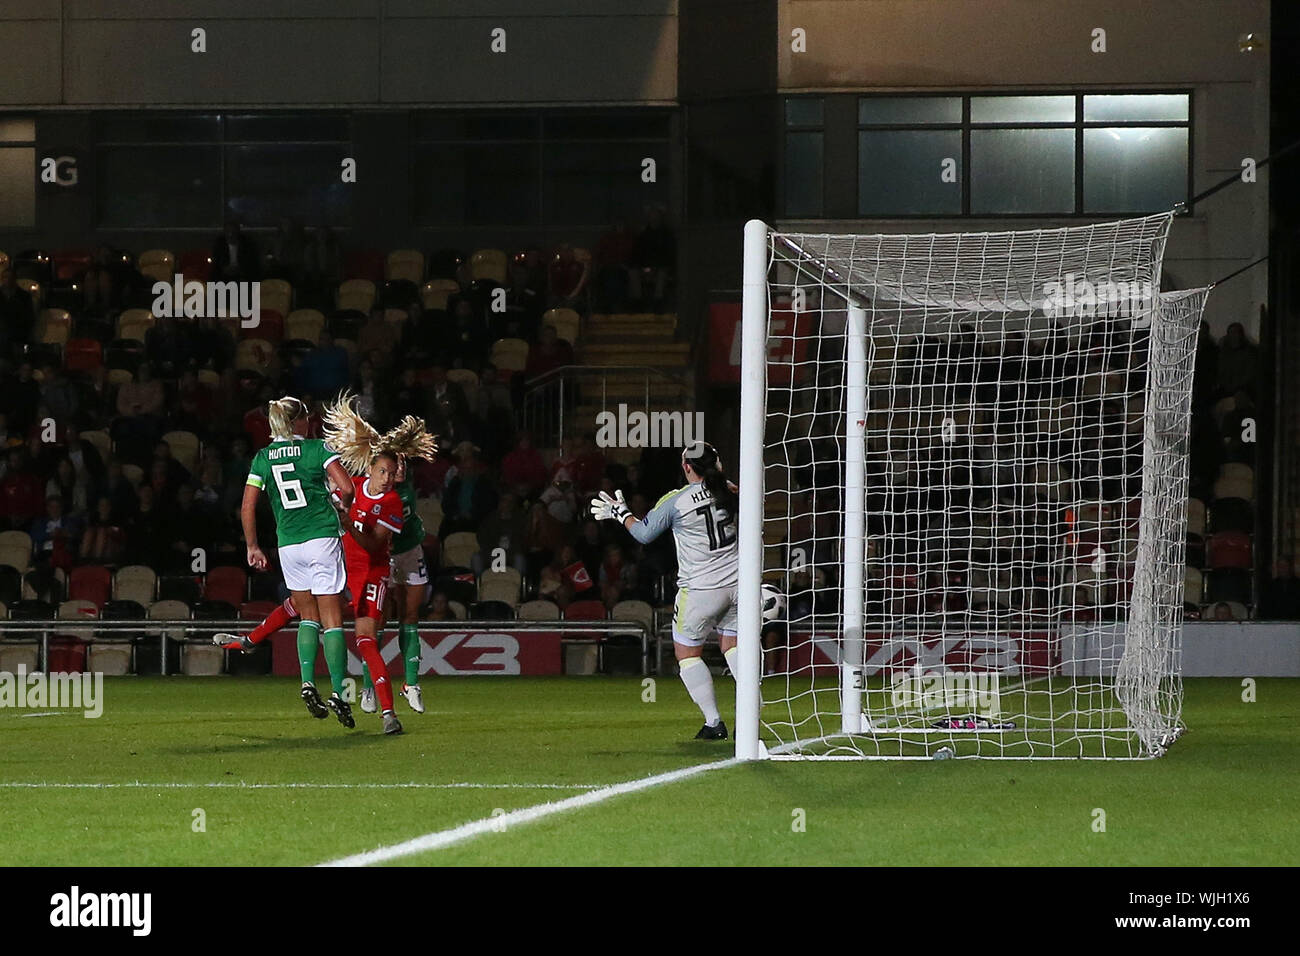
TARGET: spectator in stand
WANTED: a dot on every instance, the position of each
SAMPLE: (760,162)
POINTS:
(505,528)
(1281,598)
(145,543)
(163,485)
(1238,363)
(185,526)
(494,401)
(140,403)
(101,542)
(378,339)
(614,254)
(1223,611)
(567,277)
(442,389)
(55,535)
(439,609)
(17,313)
(466,341)
(289,251)
(470,496)
(559,498)
(654,260)
(325,370)
(85,459)
(59,396)
(554,582)
(107,281)
(21,498)
(71,488)
(166,348)
(213,345)
(174,471)
(523,312)
(590,548)
(589,465)
(22,396)
(618,575)
(546,536)
(120,492)
(523,470)
(234,255)
(324,268)
(193,410)
(550,352)
(408,398)
(370,397)
(208,494)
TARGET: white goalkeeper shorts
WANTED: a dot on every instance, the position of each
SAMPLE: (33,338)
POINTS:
(699,611)
(409,567)
(315,566)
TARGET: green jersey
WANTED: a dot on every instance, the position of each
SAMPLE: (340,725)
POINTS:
(292,473)
(412,533)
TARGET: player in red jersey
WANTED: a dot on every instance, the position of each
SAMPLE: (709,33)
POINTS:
(375,515)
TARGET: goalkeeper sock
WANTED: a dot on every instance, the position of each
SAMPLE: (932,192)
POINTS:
(308,644)
(336,657)
(277,619)
(409,637)
(368,648)
(699,684)
(732,657)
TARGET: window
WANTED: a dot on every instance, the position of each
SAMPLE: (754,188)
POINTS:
(196,170)
(804,160)
(17,172)
(1009,154)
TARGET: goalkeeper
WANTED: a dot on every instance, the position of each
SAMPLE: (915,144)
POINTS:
(702,516)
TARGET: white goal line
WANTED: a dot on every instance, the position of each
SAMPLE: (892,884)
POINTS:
(439,839)
(242,785)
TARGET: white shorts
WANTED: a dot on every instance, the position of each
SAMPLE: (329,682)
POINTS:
(698,612)
(409,567)
(315,566)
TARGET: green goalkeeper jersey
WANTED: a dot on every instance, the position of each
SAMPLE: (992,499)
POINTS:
(292,473)
(412,533)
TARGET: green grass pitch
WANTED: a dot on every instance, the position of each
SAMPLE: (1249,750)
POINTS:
(235,749)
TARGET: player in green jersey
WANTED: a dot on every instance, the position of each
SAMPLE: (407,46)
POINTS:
(296,473)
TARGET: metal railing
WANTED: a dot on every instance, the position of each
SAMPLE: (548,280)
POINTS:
(550,398)
(41,631)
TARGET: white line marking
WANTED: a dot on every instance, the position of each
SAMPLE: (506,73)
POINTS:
(242,785)
(44,713)
(444,838)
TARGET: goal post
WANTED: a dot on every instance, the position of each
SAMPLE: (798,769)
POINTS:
(964,461)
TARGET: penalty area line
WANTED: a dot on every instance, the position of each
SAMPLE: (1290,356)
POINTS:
(244,785)
(440,839)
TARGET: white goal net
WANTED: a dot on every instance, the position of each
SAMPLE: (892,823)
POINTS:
(973,451)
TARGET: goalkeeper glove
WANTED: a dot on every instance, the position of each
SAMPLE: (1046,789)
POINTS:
(607,508)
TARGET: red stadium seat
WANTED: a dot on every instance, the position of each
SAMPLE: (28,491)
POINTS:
(82,355)
(256,611)
(364,264)
(585,611)
(70,264)
(229,584)
(1229,549)
(194,265)
(270,326)
(90,583)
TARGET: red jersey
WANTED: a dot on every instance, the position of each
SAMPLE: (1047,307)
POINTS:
(366,512)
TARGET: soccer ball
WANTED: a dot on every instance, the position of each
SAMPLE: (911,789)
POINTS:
(773,603)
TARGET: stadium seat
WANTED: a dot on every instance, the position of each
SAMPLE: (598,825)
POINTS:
(35,290)
(491,611)
(467,379)
(1237,472)
(102,441)
(510,355)
(363,264)
(458,609)
(501,585)
(430,512)
(83,355)
(277,295)
(1232,514)
(195,265)
(124,354)
(458,584)
(539,611)
(1195,516)
(1221,409)
(566,323)
(1239,611)
(489,264)
(634,611)
(71,264)
(305,324)
(133,473)
(179,587)
(459,549)
(229,584)
(54,327)
(1228,584)
(157,264)
(1243,488)
(134,324)
(209,378)
(1229,549)
(1193,585)
(1195,550)
(148,651)
(585,611)
(91,583)
(17,651)
(185,448)
(78,610)
(45,585)
(405,264)
(270,326)
(358,294)
(118,377)
(435,293)
(16,549)
(135,582)
(11,585)
(255,355)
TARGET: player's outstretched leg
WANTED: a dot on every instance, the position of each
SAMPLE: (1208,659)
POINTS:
(277,619)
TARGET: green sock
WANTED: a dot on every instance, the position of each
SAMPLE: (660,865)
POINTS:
(336,657)
(308,644)
(410,645)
